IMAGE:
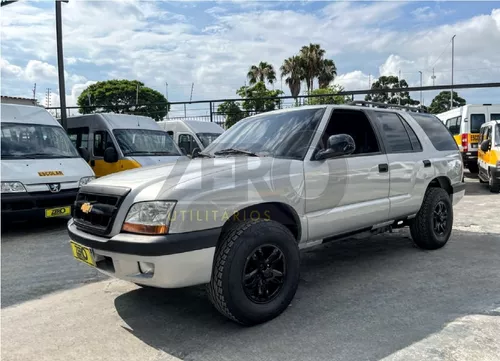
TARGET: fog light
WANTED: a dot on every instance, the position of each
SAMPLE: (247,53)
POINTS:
(147,268)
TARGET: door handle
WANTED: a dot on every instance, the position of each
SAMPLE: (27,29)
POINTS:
(427,163)
(384,167)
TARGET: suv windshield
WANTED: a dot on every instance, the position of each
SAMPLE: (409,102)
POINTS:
(280,135)
(35,141)
(207,138)
(145,142)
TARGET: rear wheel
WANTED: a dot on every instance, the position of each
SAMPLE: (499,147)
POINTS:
(256,271)
(433,224)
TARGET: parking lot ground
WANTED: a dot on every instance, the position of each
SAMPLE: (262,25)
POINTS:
(373,299)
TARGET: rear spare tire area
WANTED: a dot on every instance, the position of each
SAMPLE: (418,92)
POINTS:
(432,226)
(256,271)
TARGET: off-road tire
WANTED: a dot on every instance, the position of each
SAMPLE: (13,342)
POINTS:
(226,290)
(473,168)
(422,226)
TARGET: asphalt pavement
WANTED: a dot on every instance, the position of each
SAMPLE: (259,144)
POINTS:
(374,299)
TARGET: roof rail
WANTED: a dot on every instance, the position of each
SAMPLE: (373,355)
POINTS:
(384,105)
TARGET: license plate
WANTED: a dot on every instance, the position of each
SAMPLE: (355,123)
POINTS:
(58,212)
(83,253)
(474,138)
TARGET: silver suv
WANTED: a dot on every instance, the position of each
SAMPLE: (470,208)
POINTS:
(236,215)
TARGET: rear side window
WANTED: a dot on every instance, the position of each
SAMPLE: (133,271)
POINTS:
(437,132)
(495,116)
(476,120)
(396,135)
(453,125)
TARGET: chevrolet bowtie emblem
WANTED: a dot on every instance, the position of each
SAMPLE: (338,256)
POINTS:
(86,208)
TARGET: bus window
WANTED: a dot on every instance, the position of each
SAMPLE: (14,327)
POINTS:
(476,120)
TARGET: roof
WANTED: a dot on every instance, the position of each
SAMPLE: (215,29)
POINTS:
(27,114)
(124,121)
(199,126)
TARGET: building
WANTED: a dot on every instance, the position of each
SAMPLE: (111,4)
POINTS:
(18,100)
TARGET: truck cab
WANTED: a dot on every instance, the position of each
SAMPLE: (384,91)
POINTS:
(117,142)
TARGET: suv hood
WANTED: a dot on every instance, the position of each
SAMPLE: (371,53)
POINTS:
(157,180)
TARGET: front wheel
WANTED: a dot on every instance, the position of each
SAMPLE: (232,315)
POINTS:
(256,271)
(494,187)
(432,226)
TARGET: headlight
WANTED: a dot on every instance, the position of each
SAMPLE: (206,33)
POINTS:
(85,180)
(12,187)
(149,217)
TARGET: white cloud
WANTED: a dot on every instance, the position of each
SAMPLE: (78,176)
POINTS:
(424,13)
(137,40)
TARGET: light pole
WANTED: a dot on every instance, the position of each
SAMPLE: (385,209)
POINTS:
(420,86)
(60,63)
(452,65)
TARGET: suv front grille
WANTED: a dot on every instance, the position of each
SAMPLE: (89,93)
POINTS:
(104,202)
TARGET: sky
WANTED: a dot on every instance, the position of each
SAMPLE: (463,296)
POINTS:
(212,44)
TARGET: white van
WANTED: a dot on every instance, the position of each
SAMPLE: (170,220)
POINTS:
(192,134)
(41,170)
(117,142)
(465,123)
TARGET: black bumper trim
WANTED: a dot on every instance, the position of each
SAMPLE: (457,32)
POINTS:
(458,187)
(141,245)
(34,204)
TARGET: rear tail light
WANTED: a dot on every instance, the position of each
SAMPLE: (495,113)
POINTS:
(465,142)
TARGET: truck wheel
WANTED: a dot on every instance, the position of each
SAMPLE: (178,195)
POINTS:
(256,271)
(432,226)
(494,187)
(473,168)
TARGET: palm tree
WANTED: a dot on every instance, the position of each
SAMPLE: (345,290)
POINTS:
(262,72)
(312,57)
(294,72)
(327,73)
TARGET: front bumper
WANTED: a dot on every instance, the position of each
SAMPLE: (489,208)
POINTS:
(20,206)
(180,260)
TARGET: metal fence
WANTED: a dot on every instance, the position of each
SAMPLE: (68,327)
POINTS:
(207,110)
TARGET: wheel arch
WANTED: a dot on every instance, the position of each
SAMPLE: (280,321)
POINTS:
(276,211)
(441,182)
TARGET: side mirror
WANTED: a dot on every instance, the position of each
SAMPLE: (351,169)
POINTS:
(338,145)
(84,153)
(485,145)
(110,155)
(195,153)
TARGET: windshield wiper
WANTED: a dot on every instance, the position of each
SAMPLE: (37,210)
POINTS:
(236,151)
(201,154)
(36,155)
(150,153)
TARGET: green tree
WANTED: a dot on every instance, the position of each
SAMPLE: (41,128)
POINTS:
(119,96)
(329,97)
(391,82)
(261,73)
(294,72)
(441,103)
(327,73)
(232,111)
(312,58)
(254,95)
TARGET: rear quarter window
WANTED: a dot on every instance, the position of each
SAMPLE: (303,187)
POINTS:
(436,131)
